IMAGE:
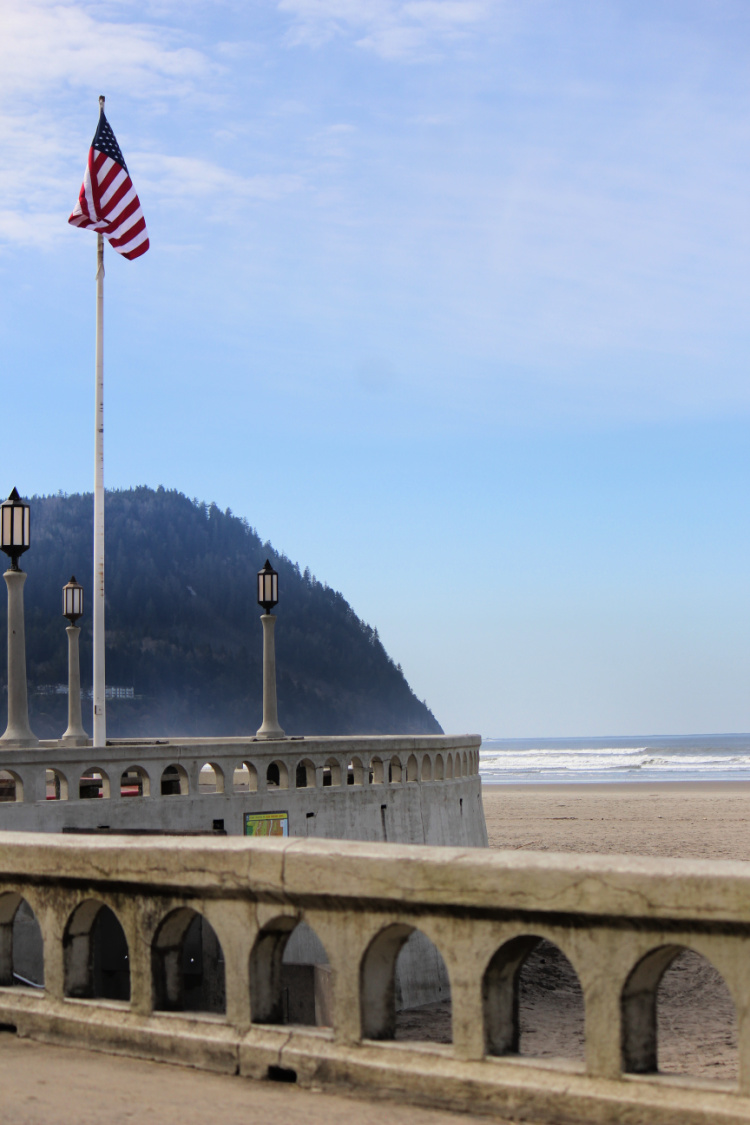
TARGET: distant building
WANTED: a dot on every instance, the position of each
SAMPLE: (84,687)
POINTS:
(62,689)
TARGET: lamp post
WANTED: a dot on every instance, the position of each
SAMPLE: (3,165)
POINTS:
(268,596)
(14,540)
(73,609)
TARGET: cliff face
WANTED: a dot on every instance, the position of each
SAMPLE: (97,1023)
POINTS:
(183,629)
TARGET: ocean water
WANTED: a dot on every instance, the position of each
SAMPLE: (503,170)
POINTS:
(704,757)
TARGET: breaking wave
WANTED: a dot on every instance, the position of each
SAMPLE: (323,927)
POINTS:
(677,758)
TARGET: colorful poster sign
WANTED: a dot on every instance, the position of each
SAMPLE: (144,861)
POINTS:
(266,824)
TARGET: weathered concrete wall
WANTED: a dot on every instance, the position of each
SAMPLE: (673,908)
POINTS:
(615,918)
(379,805)
(446,809)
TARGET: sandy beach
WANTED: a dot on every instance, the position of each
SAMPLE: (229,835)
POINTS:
(696,1022)
(691,820)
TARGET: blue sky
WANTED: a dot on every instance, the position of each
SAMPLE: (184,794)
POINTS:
(447,297)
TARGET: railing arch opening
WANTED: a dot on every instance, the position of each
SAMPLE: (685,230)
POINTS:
(245,778)
(174,781)
(94,782)
(377,771)
(304,775)
(56,785)
(355,773)
(135,782)
(532,1001)
(187,965)
(210,778)
(290,976)
(449,767)
(412,768)
(439,768)
(21,944)
(394,771)
(95,953)
(465,770)
(277,776)
(11,786)
(399,974)
(426,768)
(659,1029)
(332,772)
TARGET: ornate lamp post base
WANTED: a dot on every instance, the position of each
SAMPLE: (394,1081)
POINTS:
(75,735)
(270,728)
(18,732)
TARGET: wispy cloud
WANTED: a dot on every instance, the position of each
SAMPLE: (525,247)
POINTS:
(180,178)
(51,50)
(46,44)
(394,29)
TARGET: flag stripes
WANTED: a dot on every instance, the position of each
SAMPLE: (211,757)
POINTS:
(108,201)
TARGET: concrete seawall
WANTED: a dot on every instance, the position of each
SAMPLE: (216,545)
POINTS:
(405,790)
(408,790)
(618,920)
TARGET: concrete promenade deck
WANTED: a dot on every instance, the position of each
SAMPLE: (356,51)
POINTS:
(50,1085)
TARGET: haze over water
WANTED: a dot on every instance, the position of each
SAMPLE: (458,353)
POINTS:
(700,757)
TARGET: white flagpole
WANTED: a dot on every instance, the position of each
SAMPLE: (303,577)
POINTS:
(100,715)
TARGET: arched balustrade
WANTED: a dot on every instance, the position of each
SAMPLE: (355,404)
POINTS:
(30,783)
(135,782)
(332,772)
(277,776)
(290,975)
(686,1046)
(210,778)
(96,956)
(188,964)
(94,782)
(55,785)
(355,772)
(380,1001)
(21,943)
(11,786)
(305,774)
(485,915)
(174,781)
(656,1037)
(245,778)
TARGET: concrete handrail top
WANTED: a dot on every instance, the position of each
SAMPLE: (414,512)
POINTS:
(382,744)
(494,882)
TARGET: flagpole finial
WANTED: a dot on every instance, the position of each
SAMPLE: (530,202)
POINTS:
(101,101)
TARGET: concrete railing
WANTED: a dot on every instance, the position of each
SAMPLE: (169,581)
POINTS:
(392,788)
(617,920)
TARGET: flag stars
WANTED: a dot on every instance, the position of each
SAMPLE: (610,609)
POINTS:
(105,142)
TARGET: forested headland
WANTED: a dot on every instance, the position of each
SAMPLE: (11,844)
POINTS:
(183,629)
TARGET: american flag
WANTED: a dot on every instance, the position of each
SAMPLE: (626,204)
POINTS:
(107,201)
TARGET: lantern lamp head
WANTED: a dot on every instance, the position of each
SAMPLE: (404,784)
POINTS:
(268,587)
(72,600)
(14,527)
